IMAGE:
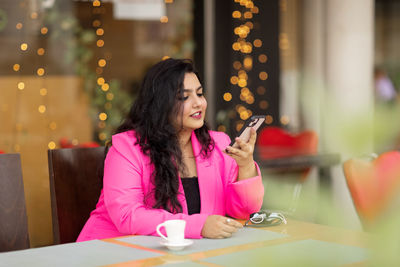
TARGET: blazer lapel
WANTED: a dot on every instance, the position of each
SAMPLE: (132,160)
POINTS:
(207,174)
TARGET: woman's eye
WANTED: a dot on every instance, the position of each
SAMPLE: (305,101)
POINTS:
(182,97)
(200,94)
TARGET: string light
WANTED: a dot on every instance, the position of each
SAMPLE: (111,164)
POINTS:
(53,125)
(227,96)
(164,19)
(261,90)
(16,67)
(263,104)
(40,71)
(285,119)
(43,91)
(102,62)
(42,109)
(234,80)
(262,58)
(99,71)
(221,128)
(269,119)
(248,63)
(100,43)
(255,10)
(245,49)
(236,14)
(248,15)
(40,51)
(105,87)
(237,65)
(21,85)
(249,24)
(51,145)
(96,23)
(96,3)
(239,126)
(103,116)
(263,75)
(24,46)
(102,136)
(99,32)
(257,43)
(100,81)
(242,82)
(110,96)
(44,30)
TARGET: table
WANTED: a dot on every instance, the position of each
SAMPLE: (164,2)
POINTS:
(295,244)
(301,161)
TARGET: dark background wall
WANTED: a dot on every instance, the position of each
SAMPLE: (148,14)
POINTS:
(265,28)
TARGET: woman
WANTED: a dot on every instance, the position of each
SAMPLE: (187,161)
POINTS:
(165,164)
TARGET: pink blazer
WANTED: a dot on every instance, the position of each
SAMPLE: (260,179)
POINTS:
(121,209)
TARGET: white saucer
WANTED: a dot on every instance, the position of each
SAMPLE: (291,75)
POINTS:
(178,246)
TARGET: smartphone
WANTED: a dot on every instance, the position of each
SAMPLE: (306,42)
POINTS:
(244,134)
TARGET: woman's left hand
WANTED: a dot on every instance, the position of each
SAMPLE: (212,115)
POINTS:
(243,155)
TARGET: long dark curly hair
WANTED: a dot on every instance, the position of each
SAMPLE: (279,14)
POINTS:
(150,116)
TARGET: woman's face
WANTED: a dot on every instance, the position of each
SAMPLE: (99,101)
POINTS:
(194,105)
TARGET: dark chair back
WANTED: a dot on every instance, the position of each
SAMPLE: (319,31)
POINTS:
(75,184)
(13,221)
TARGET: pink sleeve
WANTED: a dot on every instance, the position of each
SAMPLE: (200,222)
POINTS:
(124,195)
(242,197)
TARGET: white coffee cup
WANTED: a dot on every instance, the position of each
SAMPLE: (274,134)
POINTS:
(175,230)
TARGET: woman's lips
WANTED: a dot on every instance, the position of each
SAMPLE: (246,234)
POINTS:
(196,115)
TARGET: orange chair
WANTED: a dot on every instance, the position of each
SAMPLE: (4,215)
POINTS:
(275,142)
(373,184)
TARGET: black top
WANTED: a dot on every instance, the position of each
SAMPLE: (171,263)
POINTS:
(192,193)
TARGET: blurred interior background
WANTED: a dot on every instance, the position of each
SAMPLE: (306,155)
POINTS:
(70,69)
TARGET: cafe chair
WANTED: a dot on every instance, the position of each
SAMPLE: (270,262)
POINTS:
(76,176)
(374,185)
(275,142)
(14,233)
(68,143)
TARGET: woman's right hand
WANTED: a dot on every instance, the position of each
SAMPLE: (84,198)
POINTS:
(217,226)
